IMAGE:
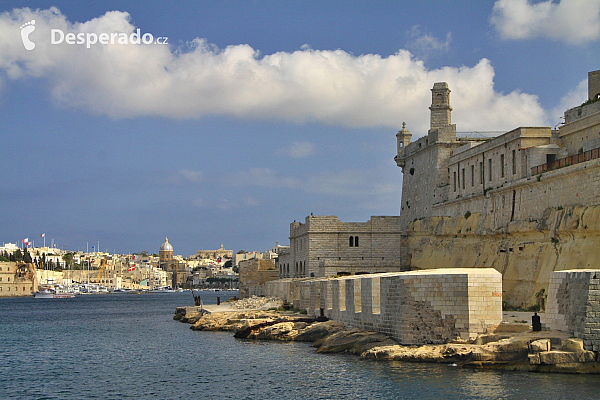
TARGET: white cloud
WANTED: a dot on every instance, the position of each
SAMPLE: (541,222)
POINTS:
(224,204)
(571,21)
(332,87)
(191,176)
(181,177)
(425,45)
(572,99)
(350,182)
(299,150)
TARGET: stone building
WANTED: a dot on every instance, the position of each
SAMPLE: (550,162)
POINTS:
(448,175)
(254,273)
(325,246)
(17,279)
(174,267)
(219,254)
(523,202)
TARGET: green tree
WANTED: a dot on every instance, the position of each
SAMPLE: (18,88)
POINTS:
(68,259)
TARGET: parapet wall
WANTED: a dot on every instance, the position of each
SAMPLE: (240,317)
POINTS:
(574,305)
(416,307)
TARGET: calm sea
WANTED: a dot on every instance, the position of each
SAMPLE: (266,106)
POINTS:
(129,347)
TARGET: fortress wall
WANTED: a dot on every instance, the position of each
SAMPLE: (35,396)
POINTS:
(414,307)
(526,252)
(574,305)
(529,198)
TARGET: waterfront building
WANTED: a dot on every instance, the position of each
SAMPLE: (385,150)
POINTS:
(324,246)
(524,202)
(17,279)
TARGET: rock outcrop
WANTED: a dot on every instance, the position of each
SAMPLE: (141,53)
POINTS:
(509,347)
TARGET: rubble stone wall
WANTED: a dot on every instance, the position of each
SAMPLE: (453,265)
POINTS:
(574,305)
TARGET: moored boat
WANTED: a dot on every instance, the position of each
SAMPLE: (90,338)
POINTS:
(52,294)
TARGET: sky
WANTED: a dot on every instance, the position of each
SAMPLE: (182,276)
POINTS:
(255,114)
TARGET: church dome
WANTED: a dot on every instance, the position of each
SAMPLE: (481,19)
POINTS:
(166,246)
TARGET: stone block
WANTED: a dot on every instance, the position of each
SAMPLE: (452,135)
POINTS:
(572,345)
(534,359)
(539,346)
(558,357)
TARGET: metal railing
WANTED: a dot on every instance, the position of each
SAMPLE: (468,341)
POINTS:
(567,161)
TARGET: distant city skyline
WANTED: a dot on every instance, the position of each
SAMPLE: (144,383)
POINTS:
(256,114)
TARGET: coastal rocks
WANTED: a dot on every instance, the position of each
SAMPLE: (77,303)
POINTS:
(319,330)
(352,341)
(523,351)
(571,351)
(429,353)
(230,321)
(189,314)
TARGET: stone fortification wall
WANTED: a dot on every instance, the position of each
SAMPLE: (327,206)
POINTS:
(253,275)
(414,307)
(574,305)
(529,198)
(526,252)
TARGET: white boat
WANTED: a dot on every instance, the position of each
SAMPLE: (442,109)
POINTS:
(165,289)
(52,294)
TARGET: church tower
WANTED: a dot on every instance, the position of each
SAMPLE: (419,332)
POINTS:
(166,261)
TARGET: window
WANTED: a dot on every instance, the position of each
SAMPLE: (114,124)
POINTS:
(355,241)
(502,165)
(463,178)
(514,161)
(351,241)
(481,172)
(490,169)
(454,173)
(472,175)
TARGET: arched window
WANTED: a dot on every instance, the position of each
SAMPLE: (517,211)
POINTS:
(351,241)
(355,241)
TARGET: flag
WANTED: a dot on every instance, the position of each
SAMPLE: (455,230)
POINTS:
(25,240)
(132,268)
(43,235)
(133,258)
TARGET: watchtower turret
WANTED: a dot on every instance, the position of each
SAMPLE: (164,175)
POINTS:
(403,138)
(440,106)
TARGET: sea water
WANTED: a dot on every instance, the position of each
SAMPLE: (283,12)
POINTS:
(127,346)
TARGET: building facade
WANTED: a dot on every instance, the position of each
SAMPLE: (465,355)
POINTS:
(17,279)
(501,177)
(325,246)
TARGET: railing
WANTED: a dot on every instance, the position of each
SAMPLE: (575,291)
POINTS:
(567,161)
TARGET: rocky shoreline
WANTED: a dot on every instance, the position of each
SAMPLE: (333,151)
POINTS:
(508,347)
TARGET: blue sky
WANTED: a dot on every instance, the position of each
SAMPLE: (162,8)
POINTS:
(257,113)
